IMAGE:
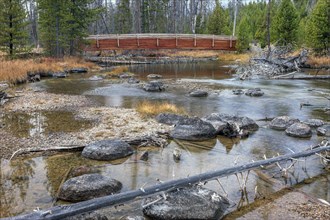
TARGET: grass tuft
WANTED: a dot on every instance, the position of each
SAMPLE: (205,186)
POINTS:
(147,108)
(244,57)
(118,70)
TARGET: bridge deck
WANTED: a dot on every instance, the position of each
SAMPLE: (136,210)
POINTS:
(160,41)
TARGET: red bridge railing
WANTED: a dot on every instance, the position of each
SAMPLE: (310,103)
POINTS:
(160,41)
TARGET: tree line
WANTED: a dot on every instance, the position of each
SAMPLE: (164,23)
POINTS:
(60,26)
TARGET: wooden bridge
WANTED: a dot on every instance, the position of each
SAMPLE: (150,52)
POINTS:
(160,41)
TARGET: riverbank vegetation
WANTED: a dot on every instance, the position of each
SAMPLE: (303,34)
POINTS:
(16,70)
(148,109)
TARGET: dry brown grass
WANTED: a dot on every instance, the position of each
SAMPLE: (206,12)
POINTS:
(13,70)
(118,70)
(149,109)
(244,57)
(193,53)
(318,61)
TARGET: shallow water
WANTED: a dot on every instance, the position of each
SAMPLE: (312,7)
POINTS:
(33,182)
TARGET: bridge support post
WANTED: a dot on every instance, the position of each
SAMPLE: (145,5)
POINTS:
(213,41)
(195,41)
(118,40)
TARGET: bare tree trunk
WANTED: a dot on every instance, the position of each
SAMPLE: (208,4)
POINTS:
(268,29)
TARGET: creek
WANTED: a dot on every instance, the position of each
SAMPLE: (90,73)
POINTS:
(31,182)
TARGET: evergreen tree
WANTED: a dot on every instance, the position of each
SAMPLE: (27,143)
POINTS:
(286,23)
(13,33)
(243,35)
(216,23)
(123,17)
(318,31)
(63,24)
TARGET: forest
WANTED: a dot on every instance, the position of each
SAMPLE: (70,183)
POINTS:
(60,26)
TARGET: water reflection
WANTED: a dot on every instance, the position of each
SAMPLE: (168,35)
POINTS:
(42,123)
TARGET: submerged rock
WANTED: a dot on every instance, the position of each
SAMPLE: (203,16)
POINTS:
(323,131)
(133,80)
(193,129)
(107,150)
(154,76)
(314,122)
(154,86)
(95,78)
(187,203)
(88,186)
(231,125)
(254,92)
(169,118)
(198,93)
(299,130)
(88,216)
(282,122)
(126,75)
(59,75)
(238,91)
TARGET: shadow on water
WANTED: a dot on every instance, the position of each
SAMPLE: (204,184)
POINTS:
(27,183)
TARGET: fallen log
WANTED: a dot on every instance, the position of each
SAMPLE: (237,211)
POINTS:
(158,140)
(60,212)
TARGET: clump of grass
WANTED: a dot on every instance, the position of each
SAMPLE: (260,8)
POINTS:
(16,70)
(118,70)
(194,53)
(244,57)
(147,108)
(318,61)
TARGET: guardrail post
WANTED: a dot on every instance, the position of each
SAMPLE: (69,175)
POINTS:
(213,41)
(176,40)
(137,40)
(195,41)
(157,42)
(118,40)
(97,41)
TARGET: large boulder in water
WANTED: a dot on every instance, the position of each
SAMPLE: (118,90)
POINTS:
(107,150)
(282,122)
(88,186)
(193,129)
(231,125)
(154,86)
(187,203)
(299,130)
(254,92)
(169,118)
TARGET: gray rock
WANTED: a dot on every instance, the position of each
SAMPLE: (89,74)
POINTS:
(169,118)
(187,203)
(299,130)
(231,125)
(133,218)
(193,129)
(126,75)
(198,93)
(107,150)
(88,186)
(59,75)
(314,122)
(133,80)
(78,70)
(95,78)
(154,86)
(88,216)
(282,122)
(323,131)
(238,92)
(154,76)
(254,92)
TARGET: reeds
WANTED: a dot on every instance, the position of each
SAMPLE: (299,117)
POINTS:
(244,57)
(16,70)
(318,61)
(147,108)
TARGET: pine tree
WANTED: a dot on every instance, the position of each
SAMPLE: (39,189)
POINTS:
(63,24)
(286,23)
(217,22)
(243,35)
(13,33)
(123,17)
(318,31)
